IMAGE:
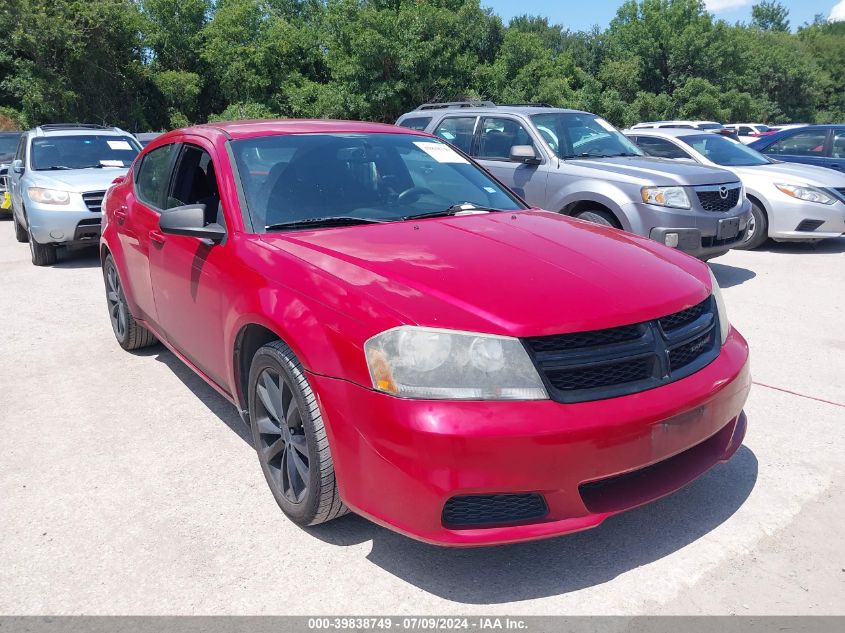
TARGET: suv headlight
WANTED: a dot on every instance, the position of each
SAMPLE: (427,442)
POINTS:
(429,363)
(674,197)
(724,324)
(48,196)
(806,193)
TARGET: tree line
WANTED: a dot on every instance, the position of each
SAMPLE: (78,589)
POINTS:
(159,64)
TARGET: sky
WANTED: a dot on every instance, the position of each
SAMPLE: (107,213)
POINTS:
(580,15)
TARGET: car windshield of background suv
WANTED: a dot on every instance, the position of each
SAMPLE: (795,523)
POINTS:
(82,152)
(725,152)
(582,135)
(298,180)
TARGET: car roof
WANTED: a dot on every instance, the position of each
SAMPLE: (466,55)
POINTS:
(502,108)
(673,132)
(235,130)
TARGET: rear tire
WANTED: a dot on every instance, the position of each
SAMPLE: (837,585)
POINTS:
(42,254)
(598,216)
(290,438)
(757,231)
(21,234)
(129,334)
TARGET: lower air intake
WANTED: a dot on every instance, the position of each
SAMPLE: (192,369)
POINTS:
(482,511)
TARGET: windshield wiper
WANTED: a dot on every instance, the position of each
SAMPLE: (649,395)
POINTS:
(454,209)
(54,167)
(586,155)
(313,223)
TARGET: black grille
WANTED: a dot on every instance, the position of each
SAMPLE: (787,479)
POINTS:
(578,340)
(809,225)
(601,364)
(602,375)
(713,200)
(94,200)
(490,510)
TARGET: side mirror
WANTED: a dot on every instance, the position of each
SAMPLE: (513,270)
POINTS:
(189,220)
(524,154)
(17,166)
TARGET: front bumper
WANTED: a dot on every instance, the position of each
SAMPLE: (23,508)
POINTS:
(58,224)
(788,214)
(399,461)
(698,230)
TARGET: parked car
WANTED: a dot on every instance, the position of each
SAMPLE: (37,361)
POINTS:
(692,125)
(144,138)
(57,182)
(749,132)
(820,145)
(580,165)
(789,201)
(8,143)
(408,340)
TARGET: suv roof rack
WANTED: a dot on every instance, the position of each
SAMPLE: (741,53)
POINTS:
(528,105)
(51,127)
(456,104)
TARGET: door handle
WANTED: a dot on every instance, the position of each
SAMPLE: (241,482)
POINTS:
(157,238)
(120,215)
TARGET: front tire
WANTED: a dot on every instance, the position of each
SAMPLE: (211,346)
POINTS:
(290,438)
(598,216)
(42,254)
(129,334)
(21,234)
(757,231)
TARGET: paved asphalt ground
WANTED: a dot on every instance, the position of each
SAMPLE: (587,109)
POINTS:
(127,486)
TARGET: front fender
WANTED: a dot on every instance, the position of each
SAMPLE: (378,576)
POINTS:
(606,194)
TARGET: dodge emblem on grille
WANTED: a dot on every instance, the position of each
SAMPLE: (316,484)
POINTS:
(723,193)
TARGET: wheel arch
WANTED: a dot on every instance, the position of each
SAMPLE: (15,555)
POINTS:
(578,206)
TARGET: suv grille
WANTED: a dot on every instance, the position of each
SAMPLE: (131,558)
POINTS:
(490,510)
(711,197)
(94,200)
(618,361)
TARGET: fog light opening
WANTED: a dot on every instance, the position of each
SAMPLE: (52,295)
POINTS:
(671,240)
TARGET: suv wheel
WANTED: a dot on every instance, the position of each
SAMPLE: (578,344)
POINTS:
(598,216)
(21,234)
(757,231)
(42,254)
(289,436)
(129,334)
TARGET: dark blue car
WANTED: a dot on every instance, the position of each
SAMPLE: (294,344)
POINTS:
(822,145)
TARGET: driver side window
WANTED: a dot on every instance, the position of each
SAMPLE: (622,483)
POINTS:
(498,135)
(196,183)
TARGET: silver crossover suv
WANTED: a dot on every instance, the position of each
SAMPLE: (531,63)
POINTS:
(57,182)
(579,164)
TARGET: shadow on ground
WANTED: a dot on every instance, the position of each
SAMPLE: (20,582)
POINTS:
(728,276)
(69,258)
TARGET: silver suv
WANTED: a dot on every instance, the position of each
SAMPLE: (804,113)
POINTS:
(579,164)
(57,182)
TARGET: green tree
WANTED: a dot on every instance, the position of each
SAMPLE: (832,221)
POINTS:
(770,15)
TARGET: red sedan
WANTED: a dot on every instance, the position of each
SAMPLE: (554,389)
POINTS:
(408,340)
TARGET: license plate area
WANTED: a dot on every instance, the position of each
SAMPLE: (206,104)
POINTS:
(728,228)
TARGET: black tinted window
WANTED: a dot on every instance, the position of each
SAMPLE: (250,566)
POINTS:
(809,143)
(82,152)
(153,177)
(416,123)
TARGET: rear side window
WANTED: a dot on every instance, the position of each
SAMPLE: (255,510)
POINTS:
(153,178)
(839,144)
(809,143)
(660,148)
(457,130)
(416,123)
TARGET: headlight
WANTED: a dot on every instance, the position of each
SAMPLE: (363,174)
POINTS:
(724,324)
(674,197)
(805,192)
(48,196)
(428,363)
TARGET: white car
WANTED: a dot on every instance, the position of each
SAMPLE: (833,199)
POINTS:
(749,132)
(789,201)
(691,125)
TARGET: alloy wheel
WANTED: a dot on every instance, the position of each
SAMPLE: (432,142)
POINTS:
(117,302)
(749,230)
(282,442)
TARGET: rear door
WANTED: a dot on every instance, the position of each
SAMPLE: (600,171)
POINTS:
(808,146)
(837,150)
(137,223)
(496,135)
(186,271)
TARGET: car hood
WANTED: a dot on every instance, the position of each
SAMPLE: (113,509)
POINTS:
(79,180)
(795,174)
(519,274)
(645,170)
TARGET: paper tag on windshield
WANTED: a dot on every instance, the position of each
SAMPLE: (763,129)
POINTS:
(441,153)
(607,126)
(111,163)
(119,145)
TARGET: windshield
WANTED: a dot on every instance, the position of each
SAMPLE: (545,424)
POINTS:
(582,135)
(297,179)
(8,145)
(724,151)
(82,151)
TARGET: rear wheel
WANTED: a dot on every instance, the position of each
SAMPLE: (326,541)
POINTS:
(757,231)
(129,334)
(21,234)
(598,216)
(290,438)
(42,254)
